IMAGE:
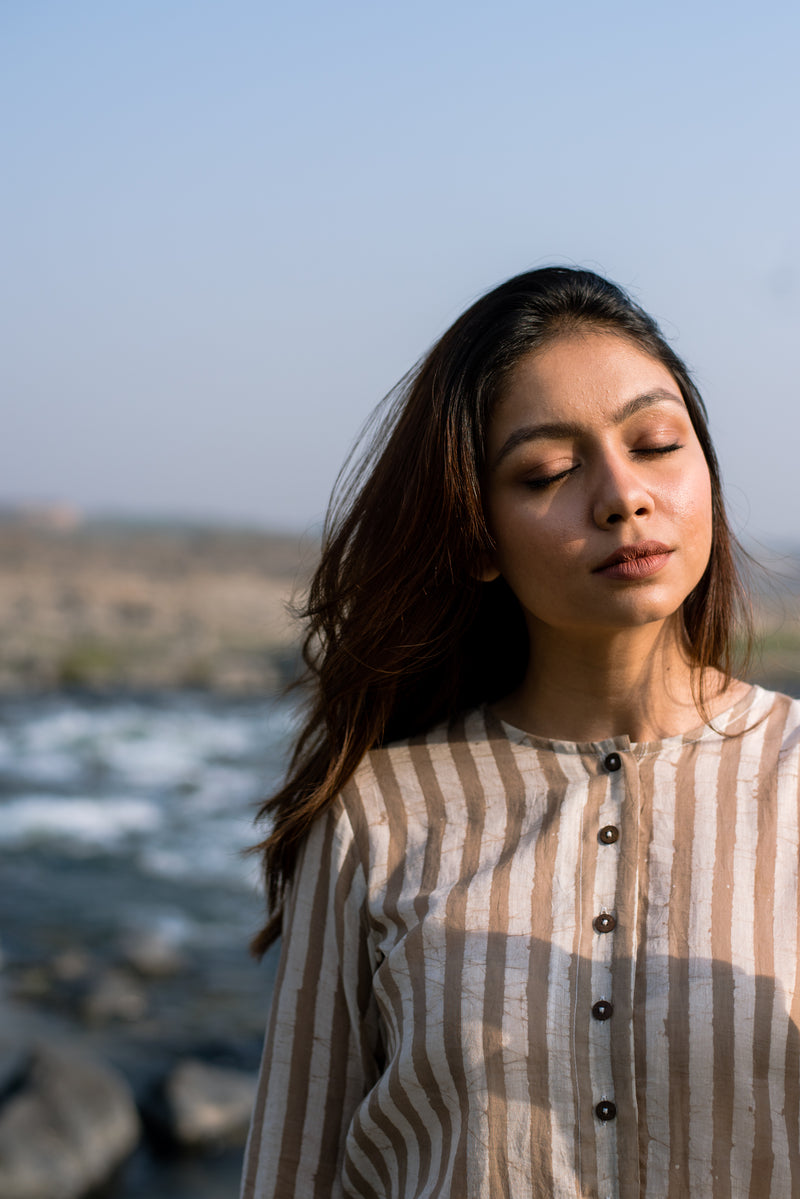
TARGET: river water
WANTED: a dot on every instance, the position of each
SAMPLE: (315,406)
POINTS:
(121,816)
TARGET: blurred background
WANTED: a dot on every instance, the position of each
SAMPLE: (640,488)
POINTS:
(228,231)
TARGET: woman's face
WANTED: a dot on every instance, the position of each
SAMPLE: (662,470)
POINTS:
(597,491)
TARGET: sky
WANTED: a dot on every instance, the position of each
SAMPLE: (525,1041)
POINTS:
(229,228)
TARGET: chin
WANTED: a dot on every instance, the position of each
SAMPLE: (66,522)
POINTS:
(644,615)
(617,619)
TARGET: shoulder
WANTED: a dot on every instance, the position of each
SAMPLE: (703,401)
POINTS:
(786,713)
(405,774)
(776,704)
(771,721)
(469,733)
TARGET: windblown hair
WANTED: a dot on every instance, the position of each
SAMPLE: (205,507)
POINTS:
(400,632)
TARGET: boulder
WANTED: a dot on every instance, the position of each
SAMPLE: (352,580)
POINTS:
(115,994)
(152,954)
(72,965)
(208,1106)
(65,1128)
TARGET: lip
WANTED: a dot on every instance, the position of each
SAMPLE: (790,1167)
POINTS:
(635,561)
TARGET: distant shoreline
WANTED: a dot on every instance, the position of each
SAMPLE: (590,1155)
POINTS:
(148,607)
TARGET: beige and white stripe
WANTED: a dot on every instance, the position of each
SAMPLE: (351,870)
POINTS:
(434,1029)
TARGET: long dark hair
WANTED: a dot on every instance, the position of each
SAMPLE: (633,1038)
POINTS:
(400,633)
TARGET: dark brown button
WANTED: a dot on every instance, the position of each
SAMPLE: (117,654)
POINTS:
(602,1010)
(606,1110)
(604,923)
(608,835)
(612,762)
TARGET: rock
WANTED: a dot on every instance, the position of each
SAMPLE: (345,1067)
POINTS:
(66,1128)
(71,965)
(79,984)
(114,995)
(207,1106)
(58,982)
(152,954)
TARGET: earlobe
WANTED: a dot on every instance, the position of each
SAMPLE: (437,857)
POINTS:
(486,571)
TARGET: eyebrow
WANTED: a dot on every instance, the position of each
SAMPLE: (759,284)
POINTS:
(559,430)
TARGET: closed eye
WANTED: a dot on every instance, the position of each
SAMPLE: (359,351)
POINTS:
(547,480)
(648,451)
(543,481)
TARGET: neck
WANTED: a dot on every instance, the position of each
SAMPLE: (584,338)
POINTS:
(639,683)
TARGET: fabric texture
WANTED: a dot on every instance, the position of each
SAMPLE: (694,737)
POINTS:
(518,967)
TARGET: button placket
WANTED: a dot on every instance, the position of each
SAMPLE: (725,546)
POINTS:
(609,835)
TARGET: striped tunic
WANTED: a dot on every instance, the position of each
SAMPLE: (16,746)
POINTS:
(519,967)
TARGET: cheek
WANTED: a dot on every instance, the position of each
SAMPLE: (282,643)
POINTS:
(524,528)
(691,499)
(704,506)
(696,517)
(538,552)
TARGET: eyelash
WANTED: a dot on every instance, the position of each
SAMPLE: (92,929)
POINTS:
(540,484)
(661,449)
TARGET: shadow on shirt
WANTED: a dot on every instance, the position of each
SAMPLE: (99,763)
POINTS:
(494,1040)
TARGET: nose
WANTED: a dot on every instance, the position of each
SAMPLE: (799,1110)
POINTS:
(620,493)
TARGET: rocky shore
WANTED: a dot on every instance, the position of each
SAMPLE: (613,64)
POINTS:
(104,1089)
(111,605)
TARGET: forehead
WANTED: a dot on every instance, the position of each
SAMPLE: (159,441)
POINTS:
(581,374)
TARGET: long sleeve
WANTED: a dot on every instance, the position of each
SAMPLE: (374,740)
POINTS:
(322,1036)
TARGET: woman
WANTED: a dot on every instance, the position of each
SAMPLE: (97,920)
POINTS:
(540,847)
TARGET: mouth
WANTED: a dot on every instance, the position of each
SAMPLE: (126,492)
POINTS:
(635,561)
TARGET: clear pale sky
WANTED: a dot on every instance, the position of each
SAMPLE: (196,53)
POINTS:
(230,227)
